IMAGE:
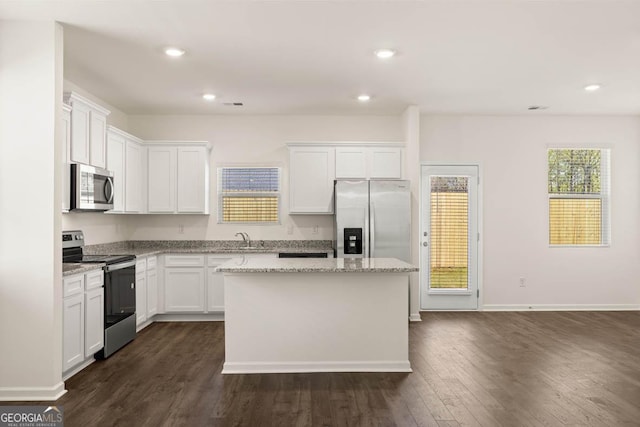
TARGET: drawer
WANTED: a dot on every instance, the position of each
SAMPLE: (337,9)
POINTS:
(141,265)
(184,260)
(73,285)
(152,262)
(94,279)
(216,260)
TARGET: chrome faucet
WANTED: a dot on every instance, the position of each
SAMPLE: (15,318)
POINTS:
(245,238)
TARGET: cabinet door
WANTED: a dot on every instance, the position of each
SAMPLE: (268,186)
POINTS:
(73,331)
(311,175)
(80,123)
(133,174)
(192,180)
(162,179)
(94,321)
(115,163)
(66,169)
(215,290)
(141,291)
(351,162)
(152,292)
(184,289)
(97,139)
(385,162)
(141,297)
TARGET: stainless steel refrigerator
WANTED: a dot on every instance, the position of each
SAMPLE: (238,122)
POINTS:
(372,219)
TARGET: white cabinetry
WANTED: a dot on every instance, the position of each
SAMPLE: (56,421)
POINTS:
(146,290)
(215,283)
(94,313)
(141,291)
(66,169)
(83,317)
(88,131)
(178,178)
(311,175)
(152,287)
(184,283)
(369,161)
(125,160)
(73,331)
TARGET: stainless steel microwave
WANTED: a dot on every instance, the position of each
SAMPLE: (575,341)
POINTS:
(91,188)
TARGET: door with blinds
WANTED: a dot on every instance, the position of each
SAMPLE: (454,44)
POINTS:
(449,231)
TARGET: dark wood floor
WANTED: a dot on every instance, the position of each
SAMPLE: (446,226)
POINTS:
(470,369)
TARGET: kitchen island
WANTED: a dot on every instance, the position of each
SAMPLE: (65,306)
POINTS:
(316,315)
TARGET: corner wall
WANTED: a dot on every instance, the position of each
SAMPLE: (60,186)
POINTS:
(30,245)
(512,154)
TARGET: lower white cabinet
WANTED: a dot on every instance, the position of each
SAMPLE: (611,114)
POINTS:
(184,289)
(83,317)
(94,321)
(73,331)
(152,287)
(141,291)
(215,284)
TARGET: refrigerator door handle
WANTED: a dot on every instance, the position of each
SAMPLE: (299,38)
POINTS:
(372,234)
(365,237)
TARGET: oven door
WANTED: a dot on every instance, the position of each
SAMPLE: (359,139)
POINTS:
(119,292)
(91,188)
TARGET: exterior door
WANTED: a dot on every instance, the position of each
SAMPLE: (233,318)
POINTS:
(449,231)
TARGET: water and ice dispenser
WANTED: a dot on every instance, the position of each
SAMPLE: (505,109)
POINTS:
(353,241)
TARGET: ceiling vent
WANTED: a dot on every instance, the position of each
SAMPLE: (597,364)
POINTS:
(537,107)
(233,104)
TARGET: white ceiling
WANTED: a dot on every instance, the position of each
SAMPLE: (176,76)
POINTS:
(314,57)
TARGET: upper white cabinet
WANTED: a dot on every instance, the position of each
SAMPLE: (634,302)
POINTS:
(178,178)
(125,160)
(380,161)
(311,175)
(88,131)
(314,166)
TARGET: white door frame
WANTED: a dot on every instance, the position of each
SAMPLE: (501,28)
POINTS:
(480,256)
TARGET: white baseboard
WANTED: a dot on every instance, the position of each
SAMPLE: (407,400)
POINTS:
(303,367)
(21,394)
(561,307)
(76,369)
(415,317)
(170,317)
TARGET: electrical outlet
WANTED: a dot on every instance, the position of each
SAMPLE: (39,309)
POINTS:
(523,282)
(289,229)
(181,229)
(315,229)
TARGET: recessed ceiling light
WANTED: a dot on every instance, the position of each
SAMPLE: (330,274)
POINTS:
(208,97)
(592,87)
(385,53)
(174,52)
(364,98)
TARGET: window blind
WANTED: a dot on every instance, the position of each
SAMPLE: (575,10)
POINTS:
(449,255)
(578,188)
(248,194)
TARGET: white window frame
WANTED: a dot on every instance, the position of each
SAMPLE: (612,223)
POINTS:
(604,196)
(222,194)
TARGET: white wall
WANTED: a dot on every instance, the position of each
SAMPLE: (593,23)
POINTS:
(30,245)
(252,140)
(512,153)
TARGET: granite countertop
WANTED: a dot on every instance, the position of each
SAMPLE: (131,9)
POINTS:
(318,265)
(69,269)
(141,248)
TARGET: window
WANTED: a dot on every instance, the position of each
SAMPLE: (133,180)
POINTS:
(248,195)
(578,187)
